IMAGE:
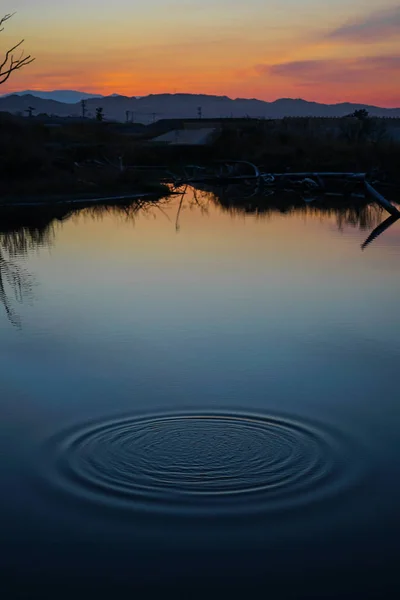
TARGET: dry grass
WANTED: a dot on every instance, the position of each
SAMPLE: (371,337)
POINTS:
(36,161)
(312,144)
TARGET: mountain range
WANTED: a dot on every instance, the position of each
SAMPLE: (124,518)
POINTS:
(67,96)
(150,108)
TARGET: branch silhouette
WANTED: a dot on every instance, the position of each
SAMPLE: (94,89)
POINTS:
(12,62)
(379,230)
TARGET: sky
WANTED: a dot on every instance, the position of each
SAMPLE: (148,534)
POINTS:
(322,50)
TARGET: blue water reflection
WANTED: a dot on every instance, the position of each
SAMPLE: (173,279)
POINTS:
(266,341)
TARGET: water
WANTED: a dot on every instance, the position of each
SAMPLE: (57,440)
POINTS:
(200,397)
(202,464)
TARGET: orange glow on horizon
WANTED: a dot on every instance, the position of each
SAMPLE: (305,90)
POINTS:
(300,54)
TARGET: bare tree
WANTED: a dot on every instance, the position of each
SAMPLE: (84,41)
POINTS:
(12,62)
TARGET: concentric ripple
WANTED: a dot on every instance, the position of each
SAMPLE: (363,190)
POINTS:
(201,462)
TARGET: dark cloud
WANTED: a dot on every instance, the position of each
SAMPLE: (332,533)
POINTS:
(374,27)
(342,70)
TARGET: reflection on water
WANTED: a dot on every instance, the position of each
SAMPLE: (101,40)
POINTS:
(218,404)
(15,281)
(25,230)
(347,211)
(20,235)
(379,229)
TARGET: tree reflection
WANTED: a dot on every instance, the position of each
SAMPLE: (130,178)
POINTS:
(15,284)
(25,230)
(354,212)
(18,236)
(13,277)
(128,211)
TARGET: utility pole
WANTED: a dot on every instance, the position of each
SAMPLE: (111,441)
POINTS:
(30,110)
(199,112)
(83,104)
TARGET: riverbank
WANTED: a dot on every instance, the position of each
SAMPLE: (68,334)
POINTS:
(96,161)
(32,200)
(38,164)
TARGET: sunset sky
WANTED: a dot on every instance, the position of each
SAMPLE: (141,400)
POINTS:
(322,50)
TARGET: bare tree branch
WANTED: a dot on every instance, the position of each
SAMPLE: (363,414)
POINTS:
(11,63)
(4,19)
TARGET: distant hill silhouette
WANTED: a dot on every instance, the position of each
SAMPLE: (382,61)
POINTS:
(67,96)
(177,106)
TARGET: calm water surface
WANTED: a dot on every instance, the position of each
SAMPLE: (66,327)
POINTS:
(200,397)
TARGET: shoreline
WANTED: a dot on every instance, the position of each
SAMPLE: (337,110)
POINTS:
(63,199)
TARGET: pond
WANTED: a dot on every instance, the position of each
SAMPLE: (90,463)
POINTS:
(200,394)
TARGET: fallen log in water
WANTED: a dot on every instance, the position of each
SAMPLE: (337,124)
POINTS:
(381,200)
(224,171)
(380,229)
(316,175)
(307,181)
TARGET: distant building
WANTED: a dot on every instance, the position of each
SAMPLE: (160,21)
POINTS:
(187,137)
(190,132)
